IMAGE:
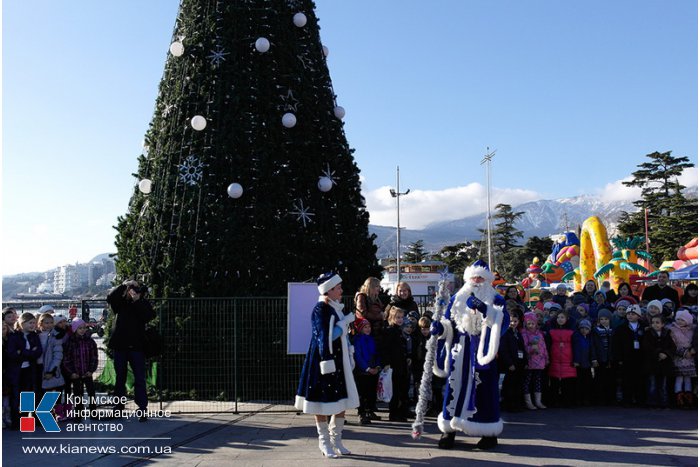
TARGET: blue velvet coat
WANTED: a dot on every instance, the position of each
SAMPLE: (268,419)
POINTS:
(321,392)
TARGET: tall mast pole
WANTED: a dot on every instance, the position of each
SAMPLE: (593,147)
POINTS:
(487,160)
(397,194)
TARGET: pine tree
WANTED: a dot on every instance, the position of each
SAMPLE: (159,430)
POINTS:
(415,253)
(254,72)
(458,257)
(672,216)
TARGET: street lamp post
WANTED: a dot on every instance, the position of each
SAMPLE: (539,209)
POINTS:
(487,160)
(397,194)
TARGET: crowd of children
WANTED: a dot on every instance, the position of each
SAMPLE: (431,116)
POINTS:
(44,352)
(602,347)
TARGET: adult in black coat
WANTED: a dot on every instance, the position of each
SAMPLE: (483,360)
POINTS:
(132,311)
(661,290)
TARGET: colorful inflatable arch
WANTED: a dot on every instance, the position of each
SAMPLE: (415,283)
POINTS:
(689,251)
(595,250)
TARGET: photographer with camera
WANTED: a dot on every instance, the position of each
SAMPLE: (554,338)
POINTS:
(131,313)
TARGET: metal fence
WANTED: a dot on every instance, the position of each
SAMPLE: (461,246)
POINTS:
(219,354)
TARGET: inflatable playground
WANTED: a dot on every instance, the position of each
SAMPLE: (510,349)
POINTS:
(594,256)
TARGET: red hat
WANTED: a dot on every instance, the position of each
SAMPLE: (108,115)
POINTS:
(360,323)
(534,267)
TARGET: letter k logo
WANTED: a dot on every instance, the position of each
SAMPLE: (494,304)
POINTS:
(42,411)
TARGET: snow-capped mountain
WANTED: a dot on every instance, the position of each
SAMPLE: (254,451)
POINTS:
(541,218)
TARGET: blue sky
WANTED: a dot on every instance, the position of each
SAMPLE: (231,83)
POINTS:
(571,94)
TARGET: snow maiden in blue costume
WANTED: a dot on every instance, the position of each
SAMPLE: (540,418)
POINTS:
(327,387)
(469,334)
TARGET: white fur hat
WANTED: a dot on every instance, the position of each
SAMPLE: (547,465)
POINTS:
(327,281)
(479,269)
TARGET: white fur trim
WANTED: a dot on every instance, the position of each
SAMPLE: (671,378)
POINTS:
(327,366)
(448,336)
(323,408)
(494,317)
(444,425)
(329,284)
(475,428)
(479,271)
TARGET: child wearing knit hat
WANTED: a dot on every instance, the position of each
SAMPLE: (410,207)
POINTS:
(682,331)
(537,360)
(604,383)
(584,356)
(80,362)
(627,342)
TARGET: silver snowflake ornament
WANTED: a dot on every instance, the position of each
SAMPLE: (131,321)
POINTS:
(168,108)
(328,173)
(191,170)
(303,213)
(217,55)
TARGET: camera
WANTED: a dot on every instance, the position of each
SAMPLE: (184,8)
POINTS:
(141,289)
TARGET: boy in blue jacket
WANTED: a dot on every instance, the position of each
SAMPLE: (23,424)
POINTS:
(584,356)
(366,372)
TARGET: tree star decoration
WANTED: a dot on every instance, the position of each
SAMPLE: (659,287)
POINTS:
(303,213)
(290,102)
(217,56)
(191,170)
(330,174)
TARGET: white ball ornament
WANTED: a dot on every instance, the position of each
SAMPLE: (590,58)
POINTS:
(289,120)
(262,45)
(325,51)
(325,184)
(177,49)
(235,190)
(339,112)
(198,122)
(299,20)
(145,186)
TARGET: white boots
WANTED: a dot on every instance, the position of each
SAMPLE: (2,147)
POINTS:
(330,437)
(538,401)
(324,440)
(336,431)
(528,402)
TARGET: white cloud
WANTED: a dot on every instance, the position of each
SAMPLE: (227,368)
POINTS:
(422,207)
(616,191)
(689,177)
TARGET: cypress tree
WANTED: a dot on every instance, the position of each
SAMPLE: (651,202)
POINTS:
(255,72)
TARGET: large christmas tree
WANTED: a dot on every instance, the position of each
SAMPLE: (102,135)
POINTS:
(246,181)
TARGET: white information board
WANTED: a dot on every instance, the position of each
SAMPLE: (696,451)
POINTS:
(301,299)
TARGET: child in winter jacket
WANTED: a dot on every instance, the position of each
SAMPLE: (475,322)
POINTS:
(604,381)
(80,362)
(584,356)
(512,361)
(658,349)
(366,370)
(393,352)
(682,331)
(23,350)
(627,349)
(562,374)
(537,360)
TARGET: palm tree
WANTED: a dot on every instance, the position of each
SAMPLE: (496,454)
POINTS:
(624,260)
